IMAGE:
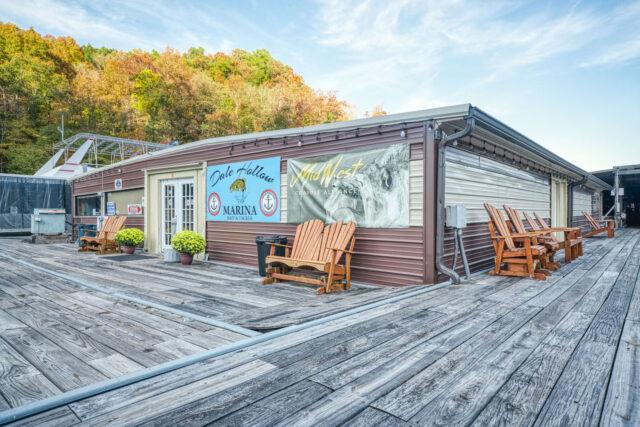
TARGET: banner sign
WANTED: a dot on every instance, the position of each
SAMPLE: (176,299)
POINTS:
(244,191)
(369,187)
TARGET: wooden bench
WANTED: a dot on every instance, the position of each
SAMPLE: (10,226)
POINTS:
(522,257)
(572,242)
(518,227)
(607,225)
(104,242)
(318,248)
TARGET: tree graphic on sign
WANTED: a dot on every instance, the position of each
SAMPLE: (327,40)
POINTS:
(239,189)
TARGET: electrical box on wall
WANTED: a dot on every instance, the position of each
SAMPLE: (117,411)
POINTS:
(456,216)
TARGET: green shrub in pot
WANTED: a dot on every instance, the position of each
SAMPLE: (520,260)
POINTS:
(129,238)
(187,243)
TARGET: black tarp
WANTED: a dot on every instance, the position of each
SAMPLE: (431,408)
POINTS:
(21,194)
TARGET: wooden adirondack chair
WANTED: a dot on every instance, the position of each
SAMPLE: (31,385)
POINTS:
(572,243)
(551,246)
(104,242)
(607,225)
(319,248)
(516,250)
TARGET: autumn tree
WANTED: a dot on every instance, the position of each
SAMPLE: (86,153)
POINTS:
(155,96)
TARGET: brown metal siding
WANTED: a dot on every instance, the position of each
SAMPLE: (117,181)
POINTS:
(386,256)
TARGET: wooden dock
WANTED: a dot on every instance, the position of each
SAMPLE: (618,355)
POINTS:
(494,351)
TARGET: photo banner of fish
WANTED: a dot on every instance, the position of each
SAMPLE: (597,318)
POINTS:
(370,188)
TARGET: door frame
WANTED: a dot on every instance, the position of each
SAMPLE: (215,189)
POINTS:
(559,203)
(178,207)
(153,201)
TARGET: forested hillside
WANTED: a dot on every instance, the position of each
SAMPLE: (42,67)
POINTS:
(155,96)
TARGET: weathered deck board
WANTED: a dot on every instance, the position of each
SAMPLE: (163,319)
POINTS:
(492,351)
(228,293)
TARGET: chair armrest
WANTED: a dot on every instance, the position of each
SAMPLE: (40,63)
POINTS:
(554,229)
(277,244)
(522,235)
(343,250)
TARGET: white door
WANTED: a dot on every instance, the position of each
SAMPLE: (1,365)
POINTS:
(177,208)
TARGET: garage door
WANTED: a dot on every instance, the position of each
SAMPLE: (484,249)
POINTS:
(472,180)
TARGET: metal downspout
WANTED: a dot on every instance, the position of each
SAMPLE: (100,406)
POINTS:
(440,267)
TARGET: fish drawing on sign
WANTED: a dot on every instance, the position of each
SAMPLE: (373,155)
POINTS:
(378,195)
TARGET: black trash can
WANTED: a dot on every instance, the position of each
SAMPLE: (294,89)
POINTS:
(262,243)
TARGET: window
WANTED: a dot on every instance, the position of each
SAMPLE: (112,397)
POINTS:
(88,205)
(122,199)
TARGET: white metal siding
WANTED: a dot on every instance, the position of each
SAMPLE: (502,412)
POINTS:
(471,180)
(581,202)
(415,194)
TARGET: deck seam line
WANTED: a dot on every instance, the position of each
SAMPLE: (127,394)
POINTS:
(87,284)
(551,330)
(75,395)
(615,353)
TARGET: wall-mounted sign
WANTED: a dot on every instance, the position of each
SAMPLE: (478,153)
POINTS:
(244,191)
(369,187)
(111,208)
(134,209)
(117,184)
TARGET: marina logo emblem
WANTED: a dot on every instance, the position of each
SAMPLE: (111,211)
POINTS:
(268,202)
(214,204)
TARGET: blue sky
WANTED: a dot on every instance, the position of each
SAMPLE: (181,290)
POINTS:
(566,74)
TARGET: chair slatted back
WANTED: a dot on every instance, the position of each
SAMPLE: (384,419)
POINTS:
(306,244)
(114,226)
(514,217)
(532,222)
(591,221)
(541,221)
(500,225)
(106,226)
(336,235)
(536,227)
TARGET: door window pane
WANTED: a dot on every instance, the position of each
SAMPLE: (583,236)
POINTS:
(169,213)
(187,206)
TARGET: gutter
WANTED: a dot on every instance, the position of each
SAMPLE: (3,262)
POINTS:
(446,139)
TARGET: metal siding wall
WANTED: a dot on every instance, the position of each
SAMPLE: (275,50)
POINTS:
(581,202)
(471,180)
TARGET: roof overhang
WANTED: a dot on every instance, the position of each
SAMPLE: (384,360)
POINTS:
(451,114)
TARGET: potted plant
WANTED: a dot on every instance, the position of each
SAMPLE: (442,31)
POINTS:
(187,243)
(128,239)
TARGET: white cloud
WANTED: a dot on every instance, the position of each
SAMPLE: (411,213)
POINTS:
(64,19)
(617,54)
(412,41)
